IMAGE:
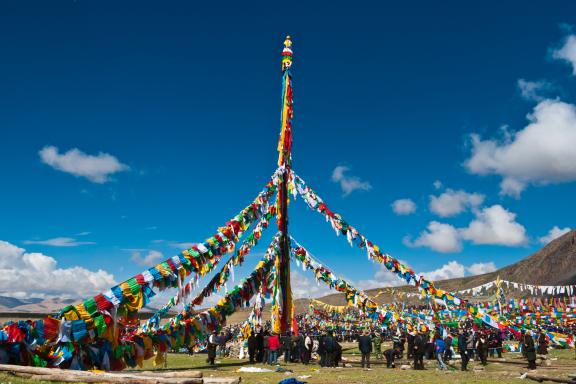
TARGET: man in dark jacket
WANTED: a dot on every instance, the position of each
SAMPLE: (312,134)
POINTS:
(530,349)
(259,345)
(328,342)
(252,347)
(410,340)
(286,342)
(365,347)
(419,350)
(463,349)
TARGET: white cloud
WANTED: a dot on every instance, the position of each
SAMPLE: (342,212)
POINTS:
(349,184)
(26,275)
(451,270)
(495,225)
(97,169)
(541,153)
(481,268)
(452,203)
(439,237)
(553,234)
(534,90)
(304,285)
(403,207)
(150,259)
(567,52)
(60,242)
(437,184)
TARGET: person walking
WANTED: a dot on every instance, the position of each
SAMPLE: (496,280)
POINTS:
(463,349)
(440,348)
(365,347)
(448,351)
(530,350)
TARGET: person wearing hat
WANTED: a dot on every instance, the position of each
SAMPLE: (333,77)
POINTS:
(530,350)
(419,349)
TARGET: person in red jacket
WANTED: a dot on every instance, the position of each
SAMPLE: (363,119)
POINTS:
(273,346)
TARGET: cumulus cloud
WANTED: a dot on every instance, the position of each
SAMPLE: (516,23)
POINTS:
(97,168)
(150,259)
(534,90)
(567,52)
(495,225)
(25,275)
(452,203)
(349,183)
(60,242)
(403,207)
(481,268)
(439,237)
(553,234)
(450,270)
(541,153)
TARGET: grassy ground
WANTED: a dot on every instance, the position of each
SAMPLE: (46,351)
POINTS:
(503,371)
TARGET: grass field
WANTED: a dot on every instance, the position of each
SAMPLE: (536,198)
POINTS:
(504,371)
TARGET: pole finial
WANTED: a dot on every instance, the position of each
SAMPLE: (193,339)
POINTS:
(287,54)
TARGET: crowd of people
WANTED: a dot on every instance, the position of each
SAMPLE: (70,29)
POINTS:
(468,341)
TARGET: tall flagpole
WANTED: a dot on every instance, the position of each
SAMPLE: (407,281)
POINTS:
(282,312)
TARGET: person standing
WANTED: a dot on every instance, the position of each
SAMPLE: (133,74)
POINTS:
(265,348)
(482,348)
(377,341)
(542,343)
(365,347)
(286,342)
(273,347)
(530,350)
(329,342)
(439,347)
(463,349)
(448,351)
(211,347)
(410,341)
(419,350)
(259,345)
(308,344)
(470,342)
(252,347)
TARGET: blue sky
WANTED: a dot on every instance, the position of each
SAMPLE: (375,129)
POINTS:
(181,101)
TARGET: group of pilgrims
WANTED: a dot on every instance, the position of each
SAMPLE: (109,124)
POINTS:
(444,346)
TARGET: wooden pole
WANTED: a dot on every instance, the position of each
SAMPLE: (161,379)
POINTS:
(284,320)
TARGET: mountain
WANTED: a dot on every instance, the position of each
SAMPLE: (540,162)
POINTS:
(554,264)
